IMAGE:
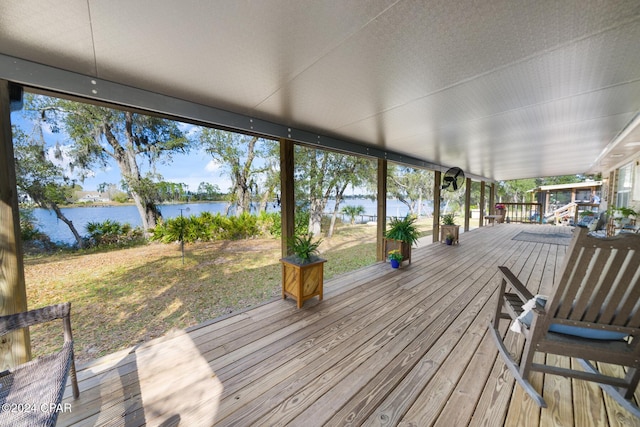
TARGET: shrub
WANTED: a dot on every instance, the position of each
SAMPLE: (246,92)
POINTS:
(269,223)
(28,229)
(241,227)
(206,227)
(110,232)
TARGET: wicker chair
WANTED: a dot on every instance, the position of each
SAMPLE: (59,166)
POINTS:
(30,394)
(592,315)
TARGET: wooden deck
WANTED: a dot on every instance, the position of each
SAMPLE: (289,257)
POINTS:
(385,347)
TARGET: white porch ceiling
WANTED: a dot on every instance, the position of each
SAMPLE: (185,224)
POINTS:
(504,89)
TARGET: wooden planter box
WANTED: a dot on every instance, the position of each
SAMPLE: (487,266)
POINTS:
(302,281)
(404,248)
(454,230)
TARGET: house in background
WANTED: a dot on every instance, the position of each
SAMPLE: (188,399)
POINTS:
(566,201)
(620,166)
(92,197)
(623,184)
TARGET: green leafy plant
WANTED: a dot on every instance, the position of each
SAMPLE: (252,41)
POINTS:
(303,246)
(28,227)
(403,229)
(353,212)
(449,219)
(624,211)
(395,255)
(449,238)
(110,232)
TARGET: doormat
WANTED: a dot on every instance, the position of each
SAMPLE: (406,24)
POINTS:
(549,238)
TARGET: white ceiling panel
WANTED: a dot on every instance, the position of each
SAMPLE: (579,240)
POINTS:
(505,89)
(52,33)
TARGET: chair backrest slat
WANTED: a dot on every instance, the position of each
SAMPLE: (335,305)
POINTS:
(631,282)
(622,288)
(599,281)
(610,272)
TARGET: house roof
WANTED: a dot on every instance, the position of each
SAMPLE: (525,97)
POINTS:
(502,89)
(586,184)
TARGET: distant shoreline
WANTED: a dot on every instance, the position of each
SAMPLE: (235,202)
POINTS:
(116,204)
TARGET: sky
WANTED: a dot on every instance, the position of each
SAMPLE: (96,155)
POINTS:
(192,168)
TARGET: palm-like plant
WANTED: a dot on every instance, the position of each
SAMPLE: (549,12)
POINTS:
(353,212)
(449,219)
(303,246)
(403,229)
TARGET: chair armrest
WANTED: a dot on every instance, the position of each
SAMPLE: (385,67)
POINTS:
(33,317)
(516,284)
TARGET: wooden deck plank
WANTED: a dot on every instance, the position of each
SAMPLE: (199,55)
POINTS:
(385,347)
(425,351)
(588,402)
(522,410)
(381,306)
(402,395)
(331,365)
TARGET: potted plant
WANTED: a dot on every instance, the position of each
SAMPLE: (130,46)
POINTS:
(449,228)
(449,239)
(395,258)
(501,209)
(302,271)
(401,235)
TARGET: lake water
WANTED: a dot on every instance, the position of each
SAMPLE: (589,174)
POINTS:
(59,232)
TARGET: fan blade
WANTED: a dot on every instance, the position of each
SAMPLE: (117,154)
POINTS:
(455,185)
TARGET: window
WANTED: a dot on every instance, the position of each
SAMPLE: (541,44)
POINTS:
(636,182)
(624,185)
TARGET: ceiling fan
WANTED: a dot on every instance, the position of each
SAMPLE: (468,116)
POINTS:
(453,179)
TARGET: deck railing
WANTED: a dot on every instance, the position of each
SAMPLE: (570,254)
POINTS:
(523,212)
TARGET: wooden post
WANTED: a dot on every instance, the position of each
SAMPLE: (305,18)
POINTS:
(481,205)
(287,198)
(492,199)
(467,204)
(15,347)
(381,223)
(437,177)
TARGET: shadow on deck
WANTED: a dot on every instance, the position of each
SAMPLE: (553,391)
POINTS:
(385,347)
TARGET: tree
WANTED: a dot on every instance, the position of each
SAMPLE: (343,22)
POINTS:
(40,178)
(208,191)
(515,190)
(237,153)
(410,186)
(322,174)
(271,184)
(315,182)
(350,170)
(100,134)
(172,191)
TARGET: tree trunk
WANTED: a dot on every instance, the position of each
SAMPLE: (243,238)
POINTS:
(61,217)
(315,216)
(336,209)
(128,165)
(339,195)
